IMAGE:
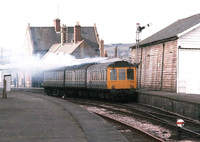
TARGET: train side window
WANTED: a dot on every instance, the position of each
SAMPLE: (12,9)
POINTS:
(113,74)
(130,74)
(98,75)
(122,75)
(102,73)
(105,75)
(78,75)
(67,73)
(81,76)
(95,75)
(92,75)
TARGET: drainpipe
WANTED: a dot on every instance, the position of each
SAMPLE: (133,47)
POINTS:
(140,66)
(162,66)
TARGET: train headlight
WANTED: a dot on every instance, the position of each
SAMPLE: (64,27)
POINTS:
(131,86)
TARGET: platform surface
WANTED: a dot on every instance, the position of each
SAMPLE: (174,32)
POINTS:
(190,98)
(35,117)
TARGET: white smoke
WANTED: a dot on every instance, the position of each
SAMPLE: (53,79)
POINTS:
(51,61)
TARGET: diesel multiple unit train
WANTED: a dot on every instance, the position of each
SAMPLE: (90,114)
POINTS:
(112,80)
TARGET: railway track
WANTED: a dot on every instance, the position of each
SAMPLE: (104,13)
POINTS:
(157,123)
(131,133)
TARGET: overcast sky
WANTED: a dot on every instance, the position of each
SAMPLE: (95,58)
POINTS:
(115,19)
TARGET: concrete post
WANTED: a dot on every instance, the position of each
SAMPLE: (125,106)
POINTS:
(179,133)
(4,88)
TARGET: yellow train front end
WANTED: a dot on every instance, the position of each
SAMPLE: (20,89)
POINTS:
(121,78)
(113,80)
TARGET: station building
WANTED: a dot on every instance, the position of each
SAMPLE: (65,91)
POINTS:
(78,41)
(169,59)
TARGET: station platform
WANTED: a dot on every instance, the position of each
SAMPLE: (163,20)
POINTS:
(184,104)
(35,117)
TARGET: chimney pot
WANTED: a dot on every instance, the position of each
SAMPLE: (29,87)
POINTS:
(105,53)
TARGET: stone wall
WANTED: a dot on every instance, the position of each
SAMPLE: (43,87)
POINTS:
(188,109)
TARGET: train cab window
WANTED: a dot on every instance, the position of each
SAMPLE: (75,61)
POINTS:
(130,74)
(122,75)
(113,74)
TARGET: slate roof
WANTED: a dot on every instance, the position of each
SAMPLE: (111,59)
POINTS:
(171,32)
(44,37)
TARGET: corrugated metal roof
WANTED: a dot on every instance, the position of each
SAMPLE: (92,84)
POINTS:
(172,31)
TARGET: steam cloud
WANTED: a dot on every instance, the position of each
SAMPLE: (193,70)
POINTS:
(51,61)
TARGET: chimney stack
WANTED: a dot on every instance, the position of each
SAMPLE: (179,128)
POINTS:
(101,48)
(57,25)
(115,51)
(105,53)
(77,33)
(64,36)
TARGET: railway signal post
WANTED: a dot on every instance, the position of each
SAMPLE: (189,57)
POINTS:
(138,38)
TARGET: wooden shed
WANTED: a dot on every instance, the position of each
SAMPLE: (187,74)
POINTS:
(169,59)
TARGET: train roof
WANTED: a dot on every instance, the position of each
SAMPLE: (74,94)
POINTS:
(79,67)
(91,66)
(56,69)
(121,64)
(111,64)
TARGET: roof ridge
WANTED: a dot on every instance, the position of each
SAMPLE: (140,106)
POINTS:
(172,30)
(42,27)
(190,16)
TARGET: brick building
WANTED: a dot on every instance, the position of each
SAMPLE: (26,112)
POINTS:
(169,58)
(78,41)
(76,46)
